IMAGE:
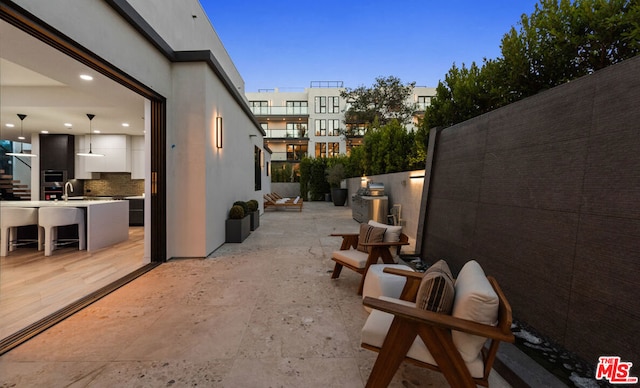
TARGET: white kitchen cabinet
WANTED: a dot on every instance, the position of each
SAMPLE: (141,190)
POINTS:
(116,150)
(80,168)
(137,157)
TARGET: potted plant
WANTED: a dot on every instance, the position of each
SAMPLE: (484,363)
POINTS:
(238,225)
(254,213)
(335,175)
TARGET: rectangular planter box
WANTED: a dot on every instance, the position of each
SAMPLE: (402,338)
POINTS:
(237,230)
(255,219)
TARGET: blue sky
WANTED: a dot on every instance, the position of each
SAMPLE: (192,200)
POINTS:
(288,44)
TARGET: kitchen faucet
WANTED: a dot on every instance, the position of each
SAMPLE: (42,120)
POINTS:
(65,196)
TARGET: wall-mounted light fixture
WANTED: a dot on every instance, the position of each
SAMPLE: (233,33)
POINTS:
(90,153)
(219,131)
(21,153)
(417,177)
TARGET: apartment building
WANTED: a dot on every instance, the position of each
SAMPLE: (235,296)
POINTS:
(310,121)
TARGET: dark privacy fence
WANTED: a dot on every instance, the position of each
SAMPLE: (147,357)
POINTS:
(545,195)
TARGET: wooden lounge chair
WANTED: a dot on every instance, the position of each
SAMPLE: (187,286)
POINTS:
(451,344)
(356,260)
(282,203)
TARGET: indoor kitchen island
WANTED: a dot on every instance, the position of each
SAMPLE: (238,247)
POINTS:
(107,222)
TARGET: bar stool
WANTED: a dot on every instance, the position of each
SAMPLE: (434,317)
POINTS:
(10,219)
(51,217)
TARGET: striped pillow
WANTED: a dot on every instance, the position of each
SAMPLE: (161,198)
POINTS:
(436,291)
(369,234)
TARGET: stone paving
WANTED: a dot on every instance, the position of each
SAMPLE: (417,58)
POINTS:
(262,313)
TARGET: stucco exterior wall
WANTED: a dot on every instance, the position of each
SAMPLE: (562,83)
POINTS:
(185,26)
(544,194)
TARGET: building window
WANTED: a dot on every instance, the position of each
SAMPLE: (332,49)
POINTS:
(334,104)
(333,149)
(296,152)
(321,127)
(321,104)
(296,130)
(321,150)
(259,107)
(333,127)
(297,107)
(423,102)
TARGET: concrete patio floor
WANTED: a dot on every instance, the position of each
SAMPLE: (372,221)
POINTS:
(263,313)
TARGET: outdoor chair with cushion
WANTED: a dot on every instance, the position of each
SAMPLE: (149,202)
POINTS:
(375,242)
(282,203)
(440,325)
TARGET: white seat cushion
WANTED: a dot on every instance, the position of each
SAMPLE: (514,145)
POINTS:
(352,257)
(377,325)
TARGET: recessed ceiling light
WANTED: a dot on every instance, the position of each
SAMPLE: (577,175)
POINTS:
(86,77)
(21,137)
(9,125)
(44,131)
(96,131)
(68,125)
(125,124)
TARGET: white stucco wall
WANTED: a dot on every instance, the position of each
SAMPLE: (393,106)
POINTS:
(202,180)
(195,30)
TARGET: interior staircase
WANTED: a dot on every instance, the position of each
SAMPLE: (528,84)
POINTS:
(11,189)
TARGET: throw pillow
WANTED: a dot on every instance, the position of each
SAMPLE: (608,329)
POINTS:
(436,291)
(369,234)
(392,233)
(475,300)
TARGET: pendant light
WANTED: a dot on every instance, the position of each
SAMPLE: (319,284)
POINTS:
(90,153)
(21,153)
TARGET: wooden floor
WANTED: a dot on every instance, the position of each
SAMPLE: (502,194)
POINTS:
(33,286)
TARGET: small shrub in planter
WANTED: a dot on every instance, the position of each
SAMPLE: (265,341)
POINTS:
(244,205)
(237,226)
(254,214)
(236,212)
(253,205)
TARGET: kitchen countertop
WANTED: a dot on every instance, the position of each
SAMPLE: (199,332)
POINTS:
(107,222)
(71,203)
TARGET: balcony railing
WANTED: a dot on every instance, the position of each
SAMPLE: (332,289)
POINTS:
(288,156)
(280,110)
(287,133)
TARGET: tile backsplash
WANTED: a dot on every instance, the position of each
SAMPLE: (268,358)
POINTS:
(114,183)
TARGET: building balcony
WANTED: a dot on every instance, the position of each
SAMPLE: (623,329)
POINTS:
(287,134)
(280,111)
(287,156)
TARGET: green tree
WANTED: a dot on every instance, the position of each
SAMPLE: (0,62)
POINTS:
(384,101)
(312,178)
(391,148)
(560,41)
(563,40)
(465,93)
